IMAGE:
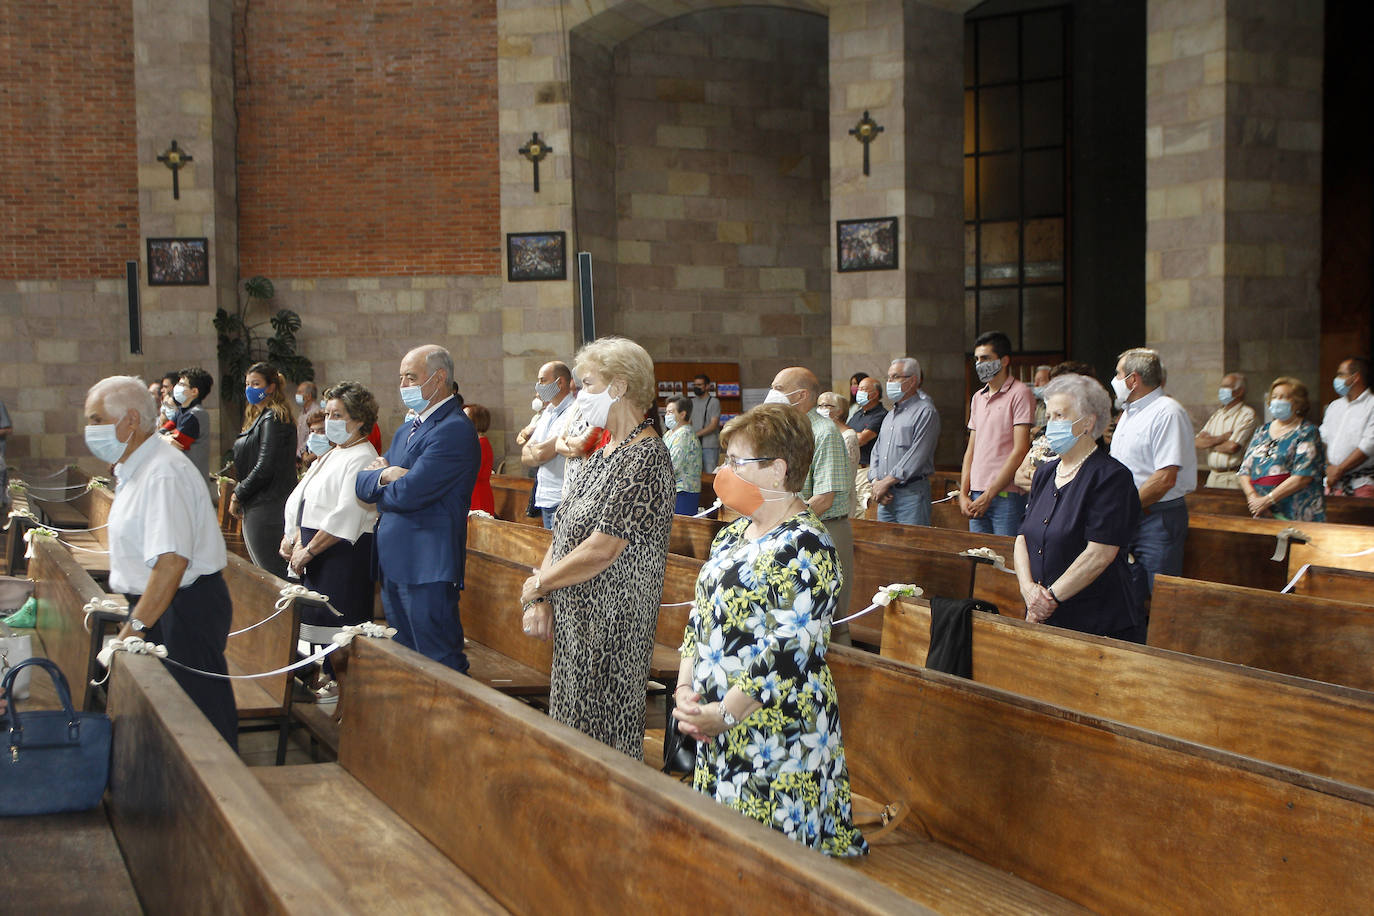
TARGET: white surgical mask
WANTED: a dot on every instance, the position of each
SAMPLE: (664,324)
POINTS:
(180,394)
(536,405)
(336,431)
(894,390)
(1225,395)
(595,408)
(861,397)
(104,443)
(775,396)
(169,411)
(1120,389)
(317,443)
(670,420)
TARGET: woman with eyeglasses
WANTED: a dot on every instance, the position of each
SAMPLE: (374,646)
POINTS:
(754,690)
(1072,558)
(597,591)
(1285,465)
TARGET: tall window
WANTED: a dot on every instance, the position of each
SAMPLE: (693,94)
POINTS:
(1016,229)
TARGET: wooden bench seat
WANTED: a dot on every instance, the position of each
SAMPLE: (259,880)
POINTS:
(384,863)
(1112,817)
(62,588)
(1316,638)
(1317,728)
(65,863)
(1350,585)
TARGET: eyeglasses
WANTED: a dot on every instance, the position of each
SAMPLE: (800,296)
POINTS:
(738,463)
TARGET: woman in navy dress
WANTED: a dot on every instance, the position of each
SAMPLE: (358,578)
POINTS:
(1071,555)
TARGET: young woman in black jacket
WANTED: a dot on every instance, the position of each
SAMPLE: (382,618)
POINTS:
(265,462)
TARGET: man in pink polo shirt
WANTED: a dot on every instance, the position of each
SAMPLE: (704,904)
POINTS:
(998,438)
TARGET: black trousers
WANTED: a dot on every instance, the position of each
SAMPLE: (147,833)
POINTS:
(263,526)
(194,629)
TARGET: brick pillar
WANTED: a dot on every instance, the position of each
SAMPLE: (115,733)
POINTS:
(1233,201)
(903,63)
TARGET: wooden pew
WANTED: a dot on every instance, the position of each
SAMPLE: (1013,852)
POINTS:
(1112,817)
(46,849)
(1340,510)
(62,589)
(197,831)
(512,496)
(1315,638)
(558,821)
(944,575)
(1239,551)
(1349,585)
(1297,723)
(265,647)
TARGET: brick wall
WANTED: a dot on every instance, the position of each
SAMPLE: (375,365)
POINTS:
(367,138)
(68,188)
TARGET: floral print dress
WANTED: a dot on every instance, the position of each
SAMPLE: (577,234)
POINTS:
(761,622)
(1299,453)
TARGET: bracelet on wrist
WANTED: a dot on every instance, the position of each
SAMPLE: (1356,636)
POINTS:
(1052,595)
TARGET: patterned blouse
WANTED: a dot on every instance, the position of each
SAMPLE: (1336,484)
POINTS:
(1299,453)
(684,448)
(761,622)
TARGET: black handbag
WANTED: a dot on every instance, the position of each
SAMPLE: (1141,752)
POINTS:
(679,751)
(52,761)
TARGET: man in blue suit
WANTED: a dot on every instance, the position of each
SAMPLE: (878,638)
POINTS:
(423,487)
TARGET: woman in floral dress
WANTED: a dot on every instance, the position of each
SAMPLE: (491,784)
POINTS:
(754,689)
(1285,465)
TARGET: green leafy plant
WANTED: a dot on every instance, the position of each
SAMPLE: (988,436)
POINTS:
(242,344)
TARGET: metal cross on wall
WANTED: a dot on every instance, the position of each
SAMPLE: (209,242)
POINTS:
(866,131)
(174,159)
(535,150)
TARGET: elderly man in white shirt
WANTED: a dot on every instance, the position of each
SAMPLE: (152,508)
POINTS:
(1348,432)
(166,549)
(1154,439)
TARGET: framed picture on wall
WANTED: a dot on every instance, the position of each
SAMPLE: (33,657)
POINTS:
(866,244)
(178,262)
(536,256)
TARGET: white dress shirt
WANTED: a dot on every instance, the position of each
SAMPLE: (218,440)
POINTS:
(331,504)
(1154,433)
(548,479)
(1348,425)
(161,506)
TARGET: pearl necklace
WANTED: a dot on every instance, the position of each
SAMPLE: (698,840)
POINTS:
(1066,473)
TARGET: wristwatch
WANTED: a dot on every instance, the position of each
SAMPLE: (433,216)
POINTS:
(137,625)
(725,716)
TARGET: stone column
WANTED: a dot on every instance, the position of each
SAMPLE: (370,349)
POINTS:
(183,78)
(903,63)
(1233,202)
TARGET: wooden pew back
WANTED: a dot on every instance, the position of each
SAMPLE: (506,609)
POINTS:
(512,496)
(198,833)
(1239,551)
(558,822)
(272,645)
(1107,815)
(62,589)
(1340,510)
(1350,585)
(490,607)
(943,575)
(1315,638)
(1318,728)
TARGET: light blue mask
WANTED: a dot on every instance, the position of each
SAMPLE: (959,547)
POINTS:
(1280,409)
(181,394)
(1224,395)
(1038,391)
(317,443)
(412,398)
(861,397)
(1342,385)
(336,431)
(104,443)
(169,412)
(1061,436)
(894,391)
(670,421)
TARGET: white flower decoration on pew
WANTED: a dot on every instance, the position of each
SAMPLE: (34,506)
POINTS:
(96,605)
(988,555)
(884,596)
(17,487)
(291,592)
(369,629)
(134,645)
(97,483)
(480,512)
(39,532)
(19,512)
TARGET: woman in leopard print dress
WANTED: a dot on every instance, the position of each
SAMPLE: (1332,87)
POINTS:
(597,591)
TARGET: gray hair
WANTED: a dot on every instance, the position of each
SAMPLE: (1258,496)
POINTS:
(357,401)
(120,394)
(911,366)
(1040,369)
(436,358)
(1089,398)
(1143,362)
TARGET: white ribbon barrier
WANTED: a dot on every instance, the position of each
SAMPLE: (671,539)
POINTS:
(96,605)
(138,646)
(883,597)
(709,509)
(286,595)
(58,473)
(26,514)
(1294,581)
(952,494)
(987,555)
(95,483)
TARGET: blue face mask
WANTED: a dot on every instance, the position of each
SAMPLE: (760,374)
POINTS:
(1224,395)
(412,398)
(670,421)
(317,443)
(1280,409)
(104,443)
(1342,385)
(861,397)
(1038,391)
(1061,436)
(169,412)
(894,390)
(254,395)
(336,431)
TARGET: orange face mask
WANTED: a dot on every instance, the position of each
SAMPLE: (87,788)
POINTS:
(741,495)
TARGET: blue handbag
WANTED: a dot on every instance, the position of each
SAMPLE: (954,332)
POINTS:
(52,761)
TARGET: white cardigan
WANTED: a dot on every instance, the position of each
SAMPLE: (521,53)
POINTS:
(330,501)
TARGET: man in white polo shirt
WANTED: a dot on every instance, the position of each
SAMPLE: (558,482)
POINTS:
(1154,438)
(1348,432)
(166,549)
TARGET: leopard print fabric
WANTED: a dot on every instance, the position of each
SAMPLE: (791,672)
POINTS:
(603,636)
